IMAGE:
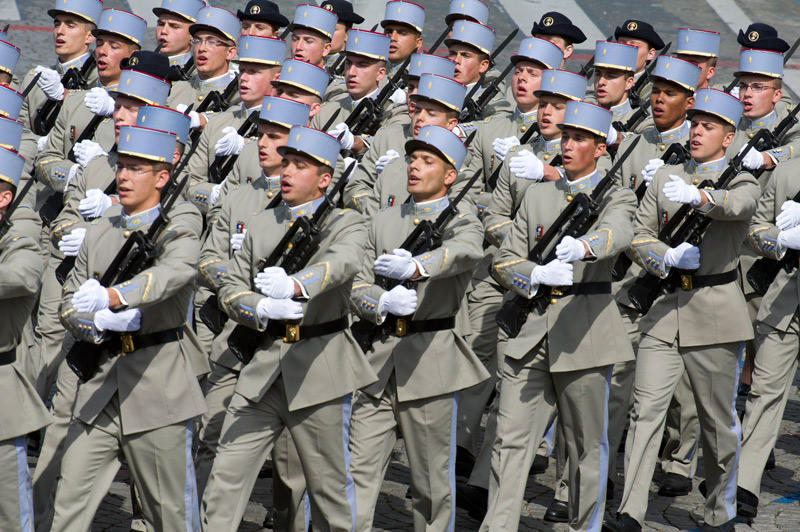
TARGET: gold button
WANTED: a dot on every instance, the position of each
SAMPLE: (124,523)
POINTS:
(126,234)
(545,157)
(523,128)
(289,245)
(553,301)
(695,181)
(662,147)
(569,197)
(750,135)
(199,98)
(416,221)
(270,194)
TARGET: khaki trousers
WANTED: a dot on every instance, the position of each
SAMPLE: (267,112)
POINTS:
(528,393)
(160,463)
(428,427)
(714,374)
(16,504)
(49,333)
(683,431)
(249,432)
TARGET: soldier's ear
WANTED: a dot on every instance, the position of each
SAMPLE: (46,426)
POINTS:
(381,72)
(568,49)
(231,53)
(599,150)
(162,178)
(484,66)
(727,139)
(689,103)
(450,176)
(419,43)
(6,197)
(326,48)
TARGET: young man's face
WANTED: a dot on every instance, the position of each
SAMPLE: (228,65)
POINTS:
(5,79)
(709,136)
(579,152)
(610,85)
(109,52)
(708,67)
(470,63)
(212,53)
(71,36)
(270,137)
(550,115)
(309,46)
(255,82)
(403,41)
(759,94)
(669,104)
(339,41)
(298,94)
(644,54)
(139,183)
(429,176)
(525,80)
(172,33)
(412,86)
(561,42)
(257,28)
(428,113)
(302,179)
(125,112)
(362,74)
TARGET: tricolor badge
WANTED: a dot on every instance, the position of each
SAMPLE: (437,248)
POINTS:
(539,231)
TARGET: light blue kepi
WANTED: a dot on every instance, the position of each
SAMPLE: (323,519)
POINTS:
(217,20)
(88,10)
(145,143)
(261,50)
(312,143)
(587,117)
(697,42)
(164,119)
(368,44)
(10,133)
(187,9)
(431,64)
(283,112)
(406,13)
(472,34)
(9,55)
(562,83)
(717,103)
(760,62)
(442,141)
(539,51)
(316,19)
(10,102)
(303,75)
(149,89)
(122,23)
(11,164)
(682,73)
(444,91)
(615,55)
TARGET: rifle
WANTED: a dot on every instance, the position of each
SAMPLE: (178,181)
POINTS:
(426,236)
(214,101)
(292,253)
(635,94)
(31,85)
(72,79)
(5,220)
(686,225)
(491,183)
(788,55)
(367,115)
(440,39)
(575,220)
(474,109)
(183,71)
(337,68)
(223,164)
(588,67)
(138,253)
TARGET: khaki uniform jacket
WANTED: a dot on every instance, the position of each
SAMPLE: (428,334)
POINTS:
(748,128)
(693,316)
(315,370)
(652,146)
(432,363)
(156,386)
(394,114)
(21,269)
(564,323)
(498,105)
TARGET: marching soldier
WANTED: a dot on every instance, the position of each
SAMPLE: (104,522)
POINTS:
(403,22)
(678,334)
(614,66)
(346,18)
(558,29)
(700,47)
(20,269)
(261,18)
(172,31)
(423,363)
(644,37)
(307,366)
(546,364)
(421,64)
(312,30)
(141,404)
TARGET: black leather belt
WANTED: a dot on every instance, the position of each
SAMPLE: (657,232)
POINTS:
(128,343)
(581,289)
(8,357)
(398,326)
(688,281)
(294,332)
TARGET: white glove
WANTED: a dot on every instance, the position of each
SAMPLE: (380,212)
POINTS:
(347,136)
(122,321)
(86,150)
(650,168)
(397,265)
(735,91)
(215,192)
(570,249)
(753,159)
(399,301)
(611,137)
(685,256)
(526,165)
(273,282)
(385,159)
(501,146)
(231,142)
(237,239)
(347,161)
(398,97)
(789,216)
(278,309)
(50,83)
(99,102)
(71,242)
(90,297)
(194,116)
(680,191)
(41,143)
(94,204)
(789,238)
(554,273)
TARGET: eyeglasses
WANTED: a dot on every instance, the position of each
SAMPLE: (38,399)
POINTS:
(755,87)
(211,43)
(135,170)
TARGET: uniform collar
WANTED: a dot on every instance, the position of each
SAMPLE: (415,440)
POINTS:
(331,59)
(711,167)
(621,109)
(372,95)
(548,146)
(392,68)
(180,59)
(758,123)
(244,112)
(428,207)
(584,183)
(74,63)
(267,183)
(306,209)
(140,219)
(204,86)
(524,118)
(678,133)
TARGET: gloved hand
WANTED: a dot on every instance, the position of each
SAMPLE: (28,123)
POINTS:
(90,297)
(41,142)
(194,116)
(570,249)
(94,204)
(123,321)
(215,192)
(790,238)
(86,150)
(650,168)
(273,282)
(680,191)
(237,239)
(526,165)
(611,137)
(789,216)
(554,273)
(398,97)
(50,83)
(395,265)
(753,159)
(99,102)
(502,145)
(735,91)
(347,139)
(385,159)
(399,301)
(684,256)
(347,161)
(71,242)
(231,142)
(278,309)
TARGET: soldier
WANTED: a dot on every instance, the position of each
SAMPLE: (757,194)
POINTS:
(422,362)
(674,339)
(403,22)
(545,364)
(644,37)
(614,66)
(312,30)
(21,269)
(346,18)
(261,18)
(143,404)
(420,64)
(700,47)
(558,29)
(304,382)
(172,31)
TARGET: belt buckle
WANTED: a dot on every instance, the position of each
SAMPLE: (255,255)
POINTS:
(127,343)
(556,291)
(686,282)
(400,327)
(292,333)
